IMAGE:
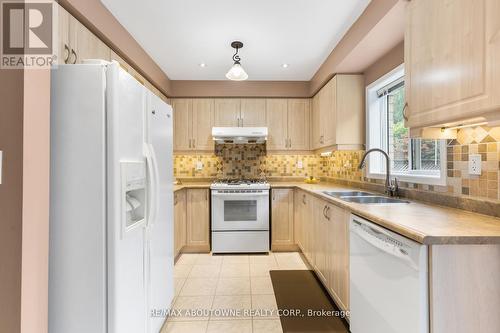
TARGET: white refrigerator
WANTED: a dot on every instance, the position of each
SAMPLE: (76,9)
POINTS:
(111,202)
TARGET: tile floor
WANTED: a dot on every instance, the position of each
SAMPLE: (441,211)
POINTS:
(234,282)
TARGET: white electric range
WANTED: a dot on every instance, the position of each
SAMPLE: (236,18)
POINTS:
(240,216)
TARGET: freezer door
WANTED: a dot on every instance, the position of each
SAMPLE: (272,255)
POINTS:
(127,204)
(77,251)
(160,223)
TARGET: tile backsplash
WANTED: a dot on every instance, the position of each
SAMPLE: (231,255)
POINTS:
(236,161)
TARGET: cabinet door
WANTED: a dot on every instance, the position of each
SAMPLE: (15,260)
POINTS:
(319,249)
(253,112)
(316,123)
(282,217)
(338,254)
(276,121)
(88,46)
(179,221)
(198,224)
(203,121)
(452,62)
(182,123)
(298,124)
(327,104)
(350,110)
(227,112)
(63,49)
(298,213)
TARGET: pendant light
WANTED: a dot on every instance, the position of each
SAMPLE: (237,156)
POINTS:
(236,72)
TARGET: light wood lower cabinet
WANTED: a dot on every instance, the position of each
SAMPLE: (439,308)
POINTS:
(319,247)
(197,220)
(179,221)
(282,219)
(337,254)
(322,233)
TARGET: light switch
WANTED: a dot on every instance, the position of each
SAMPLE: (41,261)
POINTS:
(199,165)
(474,164)
(300,164)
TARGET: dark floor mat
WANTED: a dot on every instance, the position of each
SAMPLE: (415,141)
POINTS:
(300,289)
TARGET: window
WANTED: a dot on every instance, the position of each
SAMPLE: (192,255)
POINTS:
(412,160)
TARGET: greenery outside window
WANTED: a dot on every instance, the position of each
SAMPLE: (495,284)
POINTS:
(412,160)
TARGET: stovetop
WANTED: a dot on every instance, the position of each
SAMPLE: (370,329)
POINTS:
(240,183)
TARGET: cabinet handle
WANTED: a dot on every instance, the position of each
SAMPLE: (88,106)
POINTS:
(189,143)
(67,52)
(327,216)
(324,214)
(76,57)
(404,112)
(304,199)
(194,146)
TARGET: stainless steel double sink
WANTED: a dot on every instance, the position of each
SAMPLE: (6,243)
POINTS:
(364,197)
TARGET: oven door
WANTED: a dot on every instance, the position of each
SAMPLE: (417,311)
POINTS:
(240,210)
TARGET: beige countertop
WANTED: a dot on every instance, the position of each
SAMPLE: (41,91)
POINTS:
(424,223)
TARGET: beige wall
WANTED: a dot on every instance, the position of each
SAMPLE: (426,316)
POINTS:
(385,64)
(11,143)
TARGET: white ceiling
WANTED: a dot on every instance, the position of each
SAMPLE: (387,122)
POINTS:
(181,34)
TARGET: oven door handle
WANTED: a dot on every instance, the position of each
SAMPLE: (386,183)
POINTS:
(240,194)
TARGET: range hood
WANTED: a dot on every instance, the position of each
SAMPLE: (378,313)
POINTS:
(239,135)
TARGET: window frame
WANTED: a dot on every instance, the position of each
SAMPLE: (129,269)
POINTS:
(416,176)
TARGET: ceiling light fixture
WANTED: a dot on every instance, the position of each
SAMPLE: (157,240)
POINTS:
(236,72)
(202,65)
(284,65)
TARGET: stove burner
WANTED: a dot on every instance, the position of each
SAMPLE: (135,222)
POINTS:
(240,181)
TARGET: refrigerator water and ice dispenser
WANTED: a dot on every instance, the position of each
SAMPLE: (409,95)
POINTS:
(133,193)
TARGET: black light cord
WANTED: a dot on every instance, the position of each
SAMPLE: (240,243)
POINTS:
(236,57)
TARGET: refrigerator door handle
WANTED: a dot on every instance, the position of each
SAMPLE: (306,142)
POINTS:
(155,185)
(151,184)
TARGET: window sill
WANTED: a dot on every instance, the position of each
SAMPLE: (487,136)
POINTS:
(417,179)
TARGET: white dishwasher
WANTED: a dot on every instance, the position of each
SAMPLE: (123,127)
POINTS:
(388,281)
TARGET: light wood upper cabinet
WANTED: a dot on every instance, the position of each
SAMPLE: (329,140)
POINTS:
(227,112)
(203,121)
(288,122)
(198,222)
(77,43)
(253,112)
(276,120)
(182,123)
(298,124)
(179,221)
(88,46)
(452,62)
(338,113)
(193,122)
(315,123)
(282,218)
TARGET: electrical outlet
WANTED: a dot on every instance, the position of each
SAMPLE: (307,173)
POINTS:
(474,164)
(199,165)
(299,164)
